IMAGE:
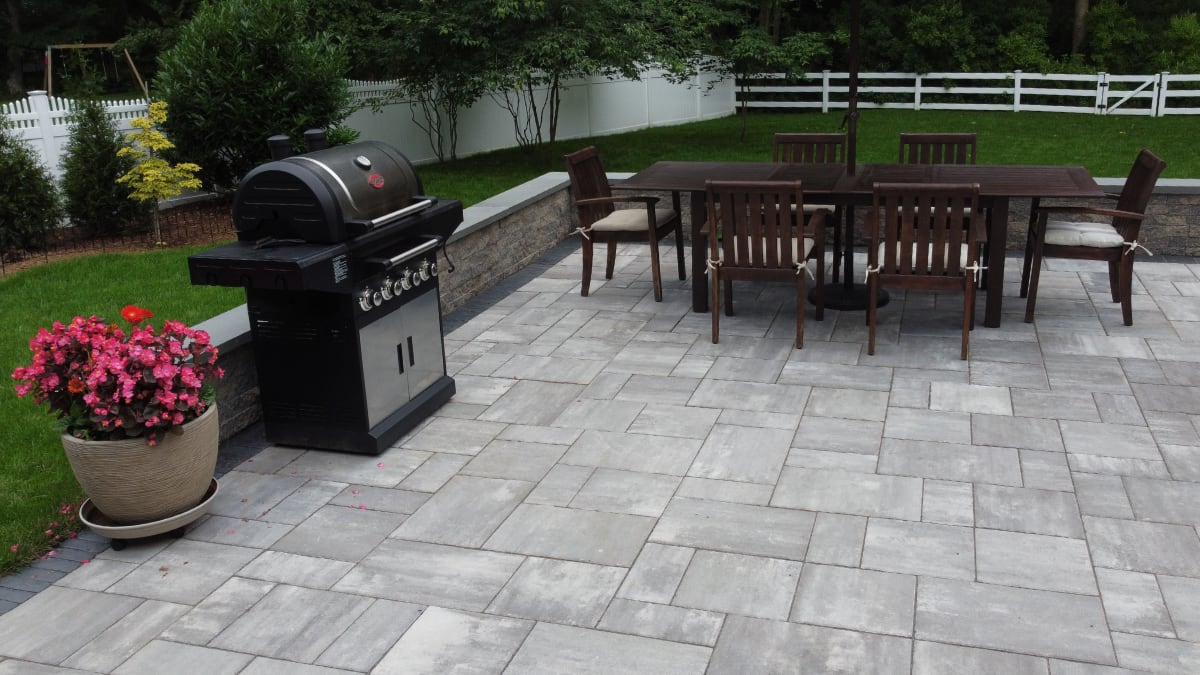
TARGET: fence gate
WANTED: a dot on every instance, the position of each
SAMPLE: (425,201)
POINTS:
(1146,89)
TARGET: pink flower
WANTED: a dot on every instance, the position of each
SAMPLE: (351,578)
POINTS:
(14,548)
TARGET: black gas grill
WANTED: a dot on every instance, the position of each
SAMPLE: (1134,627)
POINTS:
(337,251)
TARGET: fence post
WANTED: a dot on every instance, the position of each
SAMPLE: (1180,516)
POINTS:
(40,102)
(1016,91)
(1160,101)
(1101,93)
(824,91)
(917,93)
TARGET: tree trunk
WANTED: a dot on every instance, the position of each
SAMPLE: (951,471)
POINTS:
(1079,27)
(14,82)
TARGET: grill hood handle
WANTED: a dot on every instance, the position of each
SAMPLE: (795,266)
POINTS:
(359,226)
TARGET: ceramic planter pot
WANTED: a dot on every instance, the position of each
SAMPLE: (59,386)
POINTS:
(132,482)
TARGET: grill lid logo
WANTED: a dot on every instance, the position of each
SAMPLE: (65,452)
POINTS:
(376,181)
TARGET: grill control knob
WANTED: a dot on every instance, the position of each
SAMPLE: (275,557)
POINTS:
(364,300)
(406,280)
(424,271)
(376,298)
(433,269)
(386,289)
(397,288)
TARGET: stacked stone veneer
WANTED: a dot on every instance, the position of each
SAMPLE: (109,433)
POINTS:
(504,234)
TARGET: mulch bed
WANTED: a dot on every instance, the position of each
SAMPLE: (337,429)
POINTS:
(203,222)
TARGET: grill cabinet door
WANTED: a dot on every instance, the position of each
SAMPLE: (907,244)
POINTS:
(402,354)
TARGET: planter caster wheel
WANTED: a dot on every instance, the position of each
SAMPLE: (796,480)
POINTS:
(178,532)
(117,544)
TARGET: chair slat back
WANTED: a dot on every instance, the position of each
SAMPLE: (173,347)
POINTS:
(588,180)
(755,224)
(937,148)
(805,148)
(921,227)
(1135,195)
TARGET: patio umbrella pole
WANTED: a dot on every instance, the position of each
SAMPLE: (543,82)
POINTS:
(850,295)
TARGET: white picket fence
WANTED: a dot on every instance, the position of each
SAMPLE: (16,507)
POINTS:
(590,107)
(1100,94)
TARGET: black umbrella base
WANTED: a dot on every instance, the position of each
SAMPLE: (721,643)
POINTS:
(852,297)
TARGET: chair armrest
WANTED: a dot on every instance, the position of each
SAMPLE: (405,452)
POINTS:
(1091,210)
(615,200)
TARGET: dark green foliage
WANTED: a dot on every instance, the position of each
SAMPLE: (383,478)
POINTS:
(244,70)
(29,201)
(93,199)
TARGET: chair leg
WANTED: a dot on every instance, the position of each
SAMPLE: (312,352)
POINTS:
(728,297)
(968,313)
(655,270)
(1114,279)
(837,243)
(587,267)
(679,248)
(1035,272)
(1027,261)
(612,260)
(820,282)
(1126,269)
(800,310)
(872,301)
(714,285)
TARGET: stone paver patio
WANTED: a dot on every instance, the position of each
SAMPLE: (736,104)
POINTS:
(610,492)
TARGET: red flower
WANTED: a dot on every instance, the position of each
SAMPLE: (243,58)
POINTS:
(135,314)
(75,386)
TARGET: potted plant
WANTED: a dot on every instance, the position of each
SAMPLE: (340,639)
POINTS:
(139,423)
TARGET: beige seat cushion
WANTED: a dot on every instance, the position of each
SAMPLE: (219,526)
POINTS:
(631,220)
(962,254)
(808,247)
(1095,235)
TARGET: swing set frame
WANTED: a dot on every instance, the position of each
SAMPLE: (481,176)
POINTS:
(89,45)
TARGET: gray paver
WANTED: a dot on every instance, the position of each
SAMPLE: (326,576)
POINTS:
(445,640)
(221,608)
(292,622)
(837,539)
(926,549)
(739,584)
(742,454)
(639,494)
(1016,432)
(1154,654)
(572,534)
(656,573)
(331,533)
(1164,501)
(927,425)
(370,636)
(677,624)
(1133,603)
(1183,600)
(633,452)
(936,658)
(749,645)
(169,657)
(735,528)
(465,437)
(1033,561)
(839,435)
(551,649)
(1144,547)
(124,638)
(430,574)
(465,512)
(559,591)
(1027,510)
(950,461)
(852,493)
(841,597)
(171,575)
(1013,619)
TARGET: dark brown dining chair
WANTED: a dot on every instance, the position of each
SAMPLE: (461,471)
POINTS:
(1113,239)
(757,232)
(918,242)
(937,148)
(600,222)
(816,148)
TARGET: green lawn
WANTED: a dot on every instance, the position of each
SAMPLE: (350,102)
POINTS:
(35,480)
(1106,145)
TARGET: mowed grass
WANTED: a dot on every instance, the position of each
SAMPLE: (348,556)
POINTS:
(1106,145)
(35,479)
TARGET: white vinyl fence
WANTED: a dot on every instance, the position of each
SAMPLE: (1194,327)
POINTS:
(1100,93)
(590,107)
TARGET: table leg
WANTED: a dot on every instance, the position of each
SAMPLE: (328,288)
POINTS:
(699,255)
(997,241)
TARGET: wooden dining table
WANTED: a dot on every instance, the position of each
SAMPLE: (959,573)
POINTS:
(834,184)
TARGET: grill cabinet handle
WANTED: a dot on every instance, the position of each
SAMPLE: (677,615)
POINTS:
(400,357)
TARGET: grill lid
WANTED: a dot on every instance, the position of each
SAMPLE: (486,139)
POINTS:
(328,195)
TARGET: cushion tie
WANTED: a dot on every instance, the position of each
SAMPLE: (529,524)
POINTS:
(803,265)
(713,264)
(1130,246)
(976,269)
(869,271)
(583,232)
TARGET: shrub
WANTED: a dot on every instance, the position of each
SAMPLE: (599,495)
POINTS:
(244,70)
(93,199)
(29,201)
